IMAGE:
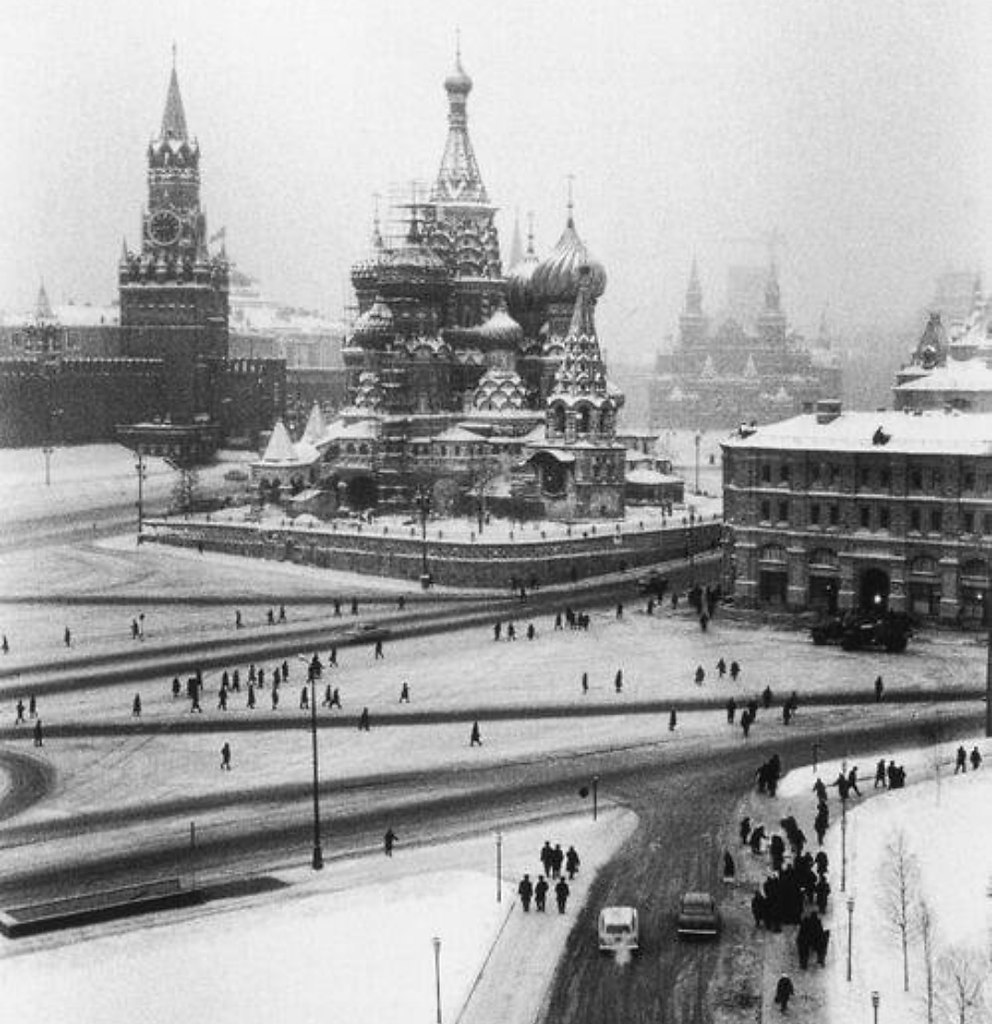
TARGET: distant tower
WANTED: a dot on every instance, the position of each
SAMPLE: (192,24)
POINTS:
(692,322)
(771,320)
(173,294)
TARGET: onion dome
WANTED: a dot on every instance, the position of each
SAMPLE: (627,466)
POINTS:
(520,279)
(556,277)
(412,264)
(458,82)
(500,330)
(369,394)
(498,390)
(365,272)
(375,324)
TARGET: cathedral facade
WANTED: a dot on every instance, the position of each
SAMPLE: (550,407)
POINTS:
(718,379)
(464,374)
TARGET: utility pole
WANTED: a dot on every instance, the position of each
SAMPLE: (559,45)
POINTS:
(140,467)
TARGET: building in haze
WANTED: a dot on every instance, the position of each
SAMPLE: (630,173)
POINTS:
(718,378)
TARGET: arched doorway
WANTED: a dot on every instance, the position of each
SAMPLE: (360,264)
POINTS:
(874,591)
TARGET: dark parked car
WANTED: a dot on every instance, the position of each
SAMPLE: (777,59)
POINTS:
(653,584)
(890,631)
(698,916)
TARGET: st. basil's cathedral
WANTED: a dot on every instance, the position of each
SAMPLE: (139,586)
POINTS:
(458,372)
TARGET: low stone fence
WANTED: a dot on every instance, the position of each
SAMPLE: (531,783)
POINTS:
(529,558)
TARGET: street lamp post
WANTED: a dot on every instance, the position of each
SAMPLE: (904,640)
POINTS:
(437,975)
(698,439)
(499,866)
(988,664)
(140,469)
(318,853)
(875,1000)
(423,503)
(850,933)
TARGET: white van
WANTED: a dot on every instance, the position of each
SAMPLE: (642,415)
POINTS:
(618,929)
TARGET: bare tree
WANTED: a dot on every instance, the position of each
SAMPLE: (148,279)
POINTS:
(900,876)
(963,972)
(926,927)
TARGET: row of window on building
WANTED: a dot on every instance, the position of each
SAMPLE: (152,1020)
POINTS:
(920,520)
(920,480)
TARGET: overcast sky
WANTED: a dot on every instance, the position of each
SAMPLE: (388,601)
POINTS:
(857,128)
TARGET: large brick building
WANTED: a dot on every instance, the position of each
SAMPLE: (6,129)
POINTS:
(862,510)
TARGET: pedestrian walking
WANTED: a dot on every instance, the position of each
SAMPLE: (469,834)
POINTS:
(282,613)
(378,650)
(557,859)
(961,762)
(618,681)
(388,841)
(531,631)
(475,740)
(194,706)
(238,623)
(304,699)
(852,780)
(225,757)
(364,725)
(650,606)
(879,689)
(332,658)
(571,862)
(735,671)
(700,675)
(336,699)
(37,734)
(4,645)
(721,668)
(251,696)
(540,894)
(620,609)
(136,706)
(236,681)
(511,631)
(20,712)
(766,697)
(976,759)
(497,630)
(176,687)
(222,699)
(405,693)
(525,890)
(729,867)
(547,857)
(337,606)
(746,722)
(275,698)
(561,894)
(558,624)
(67,637)
(32,706)
(880,774)
(731,710)
(784,991)
(285,670)
(400,603)
(585,682)
(134,629)
(261,678)
(271,617)
(672,720)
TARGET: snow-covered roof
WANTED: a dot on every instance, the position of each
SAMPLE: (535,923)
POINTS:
(316,426)
(649,477)
(356,430)
(950,433)
(970,375)
(457,435)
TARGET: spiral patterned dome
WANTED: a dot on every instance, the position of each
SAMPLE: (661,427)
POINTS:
(520,284)
(498,390)
(375,324)
(556,277)
(500,330)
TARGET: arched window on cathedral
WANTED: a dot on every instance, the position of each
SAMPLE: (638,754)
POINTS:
(558,418)
(584,421)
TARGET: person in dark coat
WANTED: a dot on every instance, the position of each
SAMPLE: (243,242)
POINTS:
(618,681)
(557,858)
(388,841)
(571,862)
(497,630)
(363,721)
(766,696)
(405,693)
(525,890)
(225,757)
(852,780)
(700,675)
(746,722)
(561,894)
(820,789)
(547,857)
(585,682)
(822,893)
(37,733)
(776,848)
(735,671)
(336,699)
(879,689)
(744,830)
(729,867)
(721,668)
(758,908)
(540,893)
(961,763)
(976,759)
(378,650)
(672,720)
(731,710)
(784,991)
(820,823)
(475,740)
(136,706)
(251,696)
(304,698)
(880,774)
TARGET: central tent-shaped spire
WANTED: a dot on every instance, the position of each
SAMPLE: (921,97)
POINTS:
(458,180)
(174,118)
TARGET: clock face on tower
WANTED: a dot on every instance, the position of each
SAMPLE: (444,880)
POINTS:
(163,227)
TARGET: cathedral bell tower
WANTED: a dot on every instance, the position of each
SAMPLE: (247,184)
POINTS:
(173,293)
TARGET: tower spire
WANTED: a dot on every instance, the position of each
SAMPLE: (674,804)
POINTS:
(694,292)
(570,178)
(458,179)
(516,246)
(43,306)
(174,117)
(530,232)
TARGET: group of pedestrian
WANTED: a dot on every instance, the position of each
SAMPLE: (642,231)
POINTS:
(889,776)
(962,757)
(768,775)
(555,865)
(32,711)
